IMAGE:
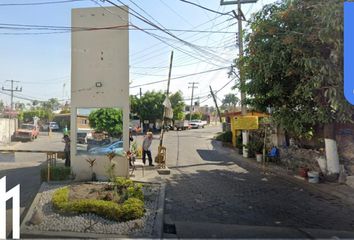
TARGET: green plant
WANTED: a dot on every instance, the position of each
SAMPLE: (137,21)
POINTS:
(135,192)
(57,173)
(91,162)
(254,147)
(110,170)
(131,209)
(239,141)
(225,137)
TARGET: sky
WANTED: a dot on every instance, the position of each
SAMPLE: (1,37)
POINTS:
(40,59)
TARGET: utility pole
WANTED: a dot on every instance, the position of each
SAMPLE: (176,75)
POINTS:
(192,87)
(140,93)
(12,90)
(167,94)
(216,104)
(240,16)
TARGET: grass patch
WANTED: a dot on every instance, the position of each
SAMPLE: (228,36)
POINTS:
(127,205)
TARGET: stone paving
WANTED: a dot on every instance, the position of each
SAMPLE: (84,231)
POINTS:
(209,186)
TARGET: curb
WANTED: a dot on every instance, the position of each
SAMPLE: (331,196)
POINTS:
(159,219)
(157,229)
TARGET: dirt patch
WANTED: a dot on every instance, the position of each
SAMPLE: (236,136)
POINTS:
(92,191)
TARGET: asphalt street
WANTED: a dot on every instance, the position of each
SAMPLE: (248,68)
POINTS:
(24,168)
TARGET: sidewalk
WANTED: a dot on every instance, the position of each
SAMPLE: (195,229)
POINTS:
(342,191)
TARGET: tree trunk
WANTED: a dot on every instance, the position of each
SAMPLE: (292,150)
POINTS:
(331,149)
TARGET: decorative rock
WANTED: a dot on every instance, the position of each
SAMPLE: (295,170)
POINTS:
(36,218)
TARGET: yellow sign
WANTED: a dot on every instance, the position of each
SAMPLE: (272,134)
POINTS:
(246,122)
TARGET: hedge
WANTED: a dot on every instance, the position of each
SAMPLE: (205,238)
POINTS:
(132,208)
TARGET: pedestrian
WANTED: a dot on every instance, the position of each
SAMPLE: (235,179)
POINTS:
(66,140)
(147,148)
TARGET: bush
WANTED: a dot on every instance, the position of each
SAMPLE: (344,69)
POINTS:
(225,137)
(57,173)
(132,208)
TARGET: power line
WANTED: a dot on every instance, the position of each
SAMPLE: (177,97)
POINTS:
(205,8)
(38,3)
(184,76)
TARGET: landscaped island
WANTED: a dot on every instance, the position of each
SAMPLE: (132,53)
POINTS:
(121,200)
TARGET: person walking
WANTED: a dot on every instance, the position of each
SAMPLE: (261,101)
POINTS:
(147,148)
(66,140)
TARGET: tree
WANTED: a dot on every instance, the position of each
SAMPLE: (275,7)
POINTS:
(230,100)
(52,104)
(149,106)
(294,63)
(177,105)
(2,106)
(108,120)
(195,116)
(19,106)
(44,115)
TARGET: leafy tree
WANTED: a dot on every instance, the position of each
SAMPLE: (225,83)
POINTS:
(52,104)
(35,103)
(2,106)
(294,63)
(44,115)
(20,106)
(149,106)
(177,105)
(195,116)
(230,100)
(108,120)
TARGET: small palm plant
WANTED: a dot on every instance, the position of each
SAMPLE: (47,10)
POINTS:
(111,167)
(91,162)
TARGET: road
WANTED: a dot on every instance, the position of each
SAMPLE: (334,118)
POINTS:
(212,193)
(24,168)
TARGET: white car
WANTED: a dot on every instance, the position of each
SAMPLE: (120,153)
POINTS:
(197,124)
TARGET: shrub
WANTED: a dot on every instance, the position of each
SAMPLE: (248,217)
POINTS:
(57,173)
(131,209)
(135,191)
(122,182)
(225,137)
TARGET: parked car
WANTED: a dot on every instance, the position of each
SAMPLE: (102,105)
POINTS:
(181,125)
(116,147)
(82,137)
(197,124)
(26,132)
(92,143)
(54,126)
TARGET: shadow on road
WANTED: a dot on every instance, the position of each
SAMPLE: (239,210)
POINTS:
(218,194)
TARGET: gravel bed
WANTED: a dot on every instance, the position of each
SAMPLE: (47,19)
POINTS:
(91,223)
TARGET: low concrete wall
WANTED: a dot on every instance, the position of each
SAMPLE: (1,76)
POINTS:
(7,128)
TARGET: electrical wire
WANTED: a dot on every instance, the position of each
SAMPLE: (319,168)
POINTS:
(38,3)
(184,76)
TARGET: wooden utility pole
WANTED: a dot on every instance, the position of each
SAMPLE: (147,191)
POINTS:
(191,107)
(216,104)
(167,94)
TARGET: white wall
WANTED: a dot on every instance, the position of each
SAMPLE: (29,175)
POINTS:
(99,56)
(7,128)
